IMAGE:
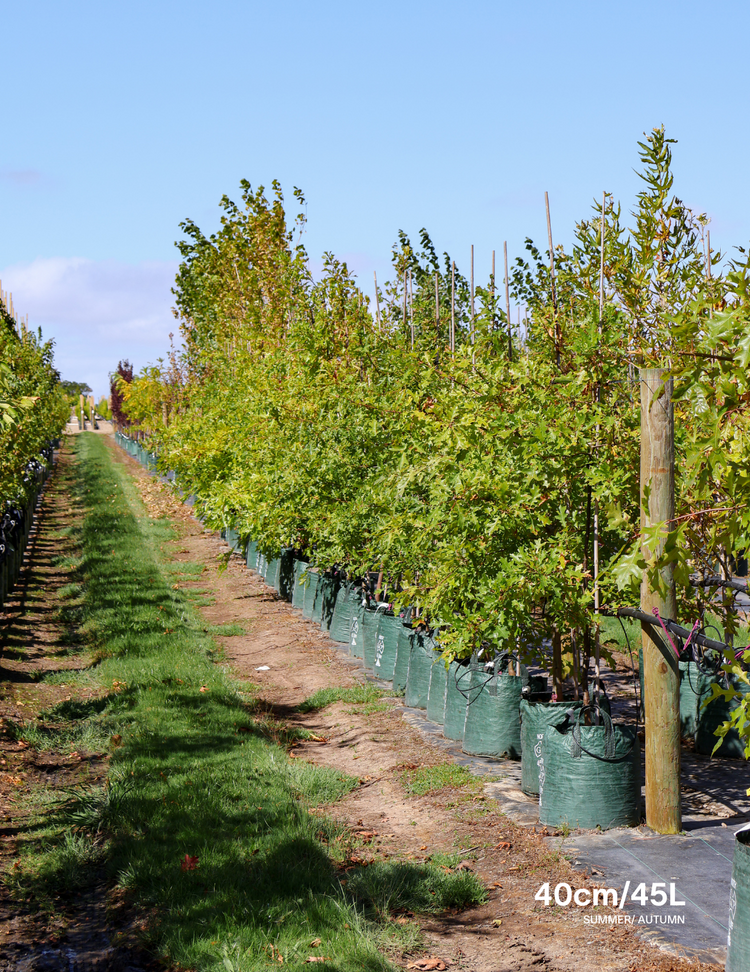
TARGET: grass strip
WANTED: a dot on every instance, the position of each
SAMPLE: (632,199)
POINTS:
(204,823)
(355,695)
(432,779)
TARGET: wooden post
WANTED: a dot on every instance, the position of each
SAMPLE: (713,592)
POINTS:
(661,674)
(507,303)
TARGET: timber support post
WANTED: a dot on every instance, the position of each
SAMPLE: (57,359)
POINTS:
(661,676)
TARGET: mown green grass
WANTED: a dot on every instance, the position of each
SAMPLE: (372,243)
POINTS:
(430,779)
(230,629)
(356,695)
(204,821)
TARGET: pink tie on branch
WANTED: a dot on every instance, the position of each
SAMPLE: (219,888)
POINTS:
(669,637)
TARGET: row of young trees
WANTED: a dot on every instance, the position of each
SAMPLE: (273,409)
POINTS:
(33,407)
(484,476)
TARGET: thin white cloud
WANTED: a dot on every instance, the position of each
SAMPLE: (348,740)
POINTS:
(98,311)
(21,177)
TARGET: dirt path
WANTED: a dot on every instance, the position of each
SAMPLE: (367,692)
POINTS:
(288,659)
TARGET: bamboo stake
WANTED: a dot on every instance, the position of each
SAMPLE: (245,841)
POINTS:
(437,303)
(404,302)
(597,605)
(472,293)
(411,307)
(507,303)
(492,290)
(453,307)
(377,299)
(552,281)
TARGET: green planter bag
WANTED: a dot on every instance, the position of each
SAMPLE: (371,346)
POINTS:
(692,686)
(693,683)
(421,657)
(535,718)
(347,602)
(456,701)
(590,776)
(311,593)
(286,573)
(251,557)
(493,717)
(403,651)
(329,588)
(738,939)
(369,629)
(711,716)
(272,573)
(436,693)
(355,632)
(324,583)
(386,646)
(298,593)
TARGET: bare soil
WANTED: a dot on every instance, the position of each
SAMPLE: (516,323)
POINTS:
(511,932)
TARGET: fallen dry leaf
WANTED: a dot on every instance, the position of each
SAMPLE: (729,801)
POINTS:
(316,942)
(497,922)
(464,866)
(503,845)
(189,863)
(318,958)
(428,964)
(203,688)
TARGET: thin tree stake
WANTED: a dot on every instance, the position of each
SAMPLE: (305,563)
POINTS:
(552,282)
(507,303)
(472,293)
(377,299)
(453,307)
(404,302)
(411,308)
(492,289)
(597,653)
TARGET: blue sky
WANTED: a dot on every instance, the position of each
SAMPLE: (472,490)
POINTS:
(119,121)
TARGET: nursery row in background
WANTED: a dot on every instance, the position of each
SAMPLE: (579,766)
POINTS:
(492,476)
(586,776)
(490,703)
(16,520)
